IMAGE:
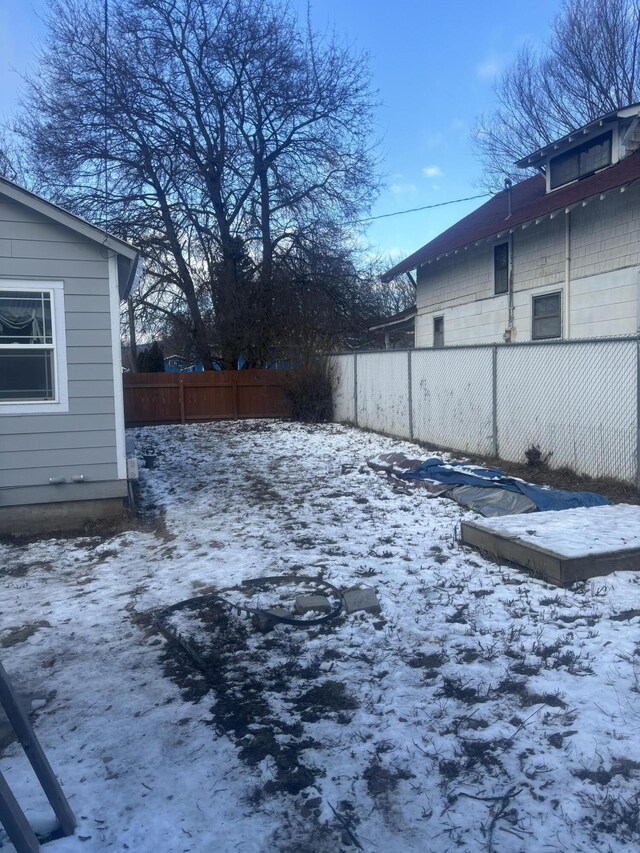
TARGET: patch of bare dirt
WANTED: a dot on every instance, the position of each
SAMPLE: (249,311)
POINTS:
(13,636)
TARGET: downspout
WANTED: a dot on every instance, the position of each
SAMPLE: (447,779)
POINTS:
(567,275)
(508,336)
(511,310)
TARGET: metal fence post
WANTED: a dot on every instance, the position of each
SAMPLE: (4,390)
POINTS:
(355,388)
(494,401)
(638,413)
(410,395)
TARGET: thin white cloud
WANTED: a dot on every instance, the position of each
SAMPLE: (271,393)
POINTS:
(434,140)
(402,189)
(432,171)
(489,68)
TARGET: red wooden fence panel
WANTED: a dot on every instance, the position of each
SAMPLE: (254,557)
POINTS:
(164,398)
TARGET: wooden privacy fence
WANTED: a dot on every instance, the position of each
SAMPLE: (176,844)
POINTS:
(164,398)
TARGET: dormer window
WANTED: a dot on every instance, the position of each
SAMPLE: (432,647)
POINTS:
(580,161)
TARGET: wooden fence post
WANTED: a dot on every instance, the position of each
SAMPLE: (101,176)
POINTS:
(234,380)
(183,417)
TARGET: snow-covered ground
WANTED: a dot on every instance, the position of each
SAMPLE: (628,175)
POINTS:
(481,710)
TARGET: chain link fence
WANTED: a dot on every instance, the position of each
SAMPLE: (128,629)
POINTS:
(452,398)
(577,401)
(383,392)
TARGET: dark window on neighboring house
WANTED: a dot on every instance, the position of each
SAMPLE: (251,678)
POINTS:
(501,268)
(438,332)
(547,319)
(27,348)
(580,162)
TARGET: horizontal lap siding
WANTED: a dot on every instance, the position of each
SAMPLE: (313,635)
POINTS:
(34,448)
(603,266)
(38,494)
(72,460)
(57,441)
(34,476)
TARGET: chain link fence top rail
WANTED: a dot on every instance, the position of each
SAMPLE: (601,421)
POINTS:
(576,400)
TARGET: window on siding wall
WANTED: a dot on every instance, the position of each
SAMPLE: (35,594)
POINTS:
(580,162)
(27,346)
(501,268)
(547,319)
(438,332)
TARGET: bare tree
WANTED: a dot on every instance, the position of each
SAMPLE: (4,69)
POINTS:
(210,132)
(590,66)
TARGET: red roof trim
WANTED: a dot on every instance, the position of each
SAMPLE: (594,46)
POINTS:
(529,201)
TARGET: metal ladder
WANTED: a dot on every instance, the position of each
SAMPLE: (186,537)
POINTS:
(12,817)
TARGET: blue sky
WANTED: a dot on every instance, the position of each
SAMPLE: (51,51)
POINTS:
(434,65)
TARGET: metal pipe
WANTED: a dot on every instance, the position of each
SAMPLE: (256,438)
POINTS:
(567,274)
(510,282)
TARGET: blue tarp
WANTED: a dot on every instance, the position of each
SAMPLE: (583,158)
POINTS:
(544,498)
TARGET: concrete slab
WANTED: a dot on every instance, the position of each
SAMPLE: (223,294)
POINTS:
(361,599)
(563,547)
(62,517)
(312,603)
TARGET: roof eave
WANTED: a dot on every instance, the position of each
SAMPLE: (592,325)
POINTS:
(410,264)
(397,324)
(538,157)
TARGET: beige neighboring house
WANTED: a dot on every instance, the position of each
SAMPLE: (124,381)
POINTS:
(556,255)
(62,439)
(398,329)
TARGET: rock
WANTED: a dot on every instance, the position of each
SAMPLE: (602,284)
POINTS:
(266,619)
(361,599)
(308,603)
(279,611)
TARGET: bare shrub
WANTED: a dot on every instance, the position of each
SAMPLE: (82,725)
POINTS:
(536,458)
(309,389)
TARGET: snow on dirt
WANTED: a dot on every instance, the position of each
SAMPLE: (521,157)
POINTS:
(481,710)
(573,532)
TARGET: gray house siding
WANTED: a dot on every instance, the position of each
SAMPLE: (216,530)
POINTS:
(82,441)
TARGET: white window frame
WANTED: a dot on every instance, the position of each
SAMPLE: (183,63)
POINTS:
(541,294)
(60,378)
